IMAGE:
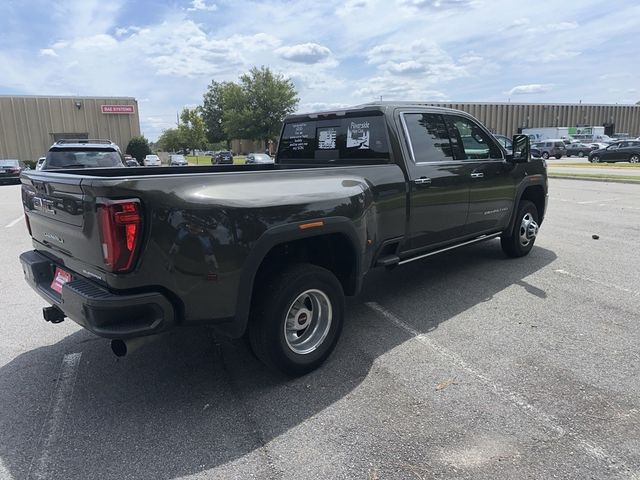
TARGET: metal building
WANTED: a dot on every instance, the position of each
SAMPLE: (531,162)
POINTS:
(30,124)
(507,118)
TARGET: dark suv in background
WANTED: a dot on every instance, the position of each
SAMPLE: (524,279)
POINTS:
(83,154)
(625,151)
(223,157)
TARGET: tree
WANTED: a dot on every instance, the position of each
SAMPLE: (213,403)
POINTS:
(138,148)
(191,129)
(170,140)
(212,111)
(255,108)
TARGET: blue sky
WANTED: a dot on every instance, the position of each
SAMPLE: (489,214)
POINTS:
(337,53)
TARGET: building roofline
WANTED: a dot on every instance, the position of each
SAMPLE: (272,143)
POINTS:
(75,97)
(550,104)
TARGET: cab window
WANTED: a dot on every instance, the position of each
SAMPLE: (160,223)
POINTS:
(428,136)
(469,141)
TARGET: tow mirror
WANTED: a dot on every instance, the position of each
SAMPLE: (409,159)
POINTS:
(521,149)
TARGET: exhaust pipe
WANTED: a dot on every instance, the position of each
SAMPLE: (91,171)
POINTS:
(121,348)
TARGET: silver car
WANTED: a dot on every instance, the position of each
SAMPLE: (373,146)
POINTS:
(551,148)
(177,161)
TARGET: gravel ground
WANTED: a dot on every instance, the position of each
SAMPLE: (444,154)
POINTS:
(468,365)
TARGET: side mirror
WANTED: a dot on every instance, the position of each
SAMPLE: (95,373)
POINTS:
(521,149)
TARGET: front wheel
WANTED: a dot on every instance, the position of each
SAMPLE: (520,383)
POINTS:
(519,241)
(545,155)
(595,159)
(295,325)
(634,159)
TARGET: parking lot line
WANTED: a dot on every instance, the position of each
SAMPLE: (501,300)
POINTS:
(14,222)
(587,445)
(53,427)
(597,282)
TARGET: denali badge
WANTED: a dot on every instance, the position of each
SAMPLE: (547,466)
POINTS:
(53,237)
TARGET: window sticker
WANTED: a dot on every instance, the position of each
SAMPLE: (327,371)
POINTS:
(358,135)
(299,140)
(327,138)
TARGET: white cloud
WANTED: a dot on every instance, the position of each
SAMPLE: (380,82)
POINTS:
(438,4)
(201,5)
(397,89)
(562,26)
(48,52)
(304,53)
(533,88)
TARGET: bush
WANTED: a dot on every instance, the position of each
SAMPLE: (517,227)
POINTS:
(138,148)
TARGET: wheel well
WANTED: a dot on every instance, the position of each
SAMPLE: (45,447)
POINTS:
(535,194)
(335,252)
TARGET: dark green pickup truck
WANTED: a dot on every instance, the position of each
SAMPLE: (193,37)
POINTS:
(270,251)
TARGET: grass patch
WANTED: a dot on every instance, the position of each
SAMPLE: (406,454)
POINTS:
(206,160)
(602,176)
(595,165)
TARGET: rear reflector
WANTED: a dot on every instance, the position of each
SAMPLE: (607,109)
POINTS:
(120,224)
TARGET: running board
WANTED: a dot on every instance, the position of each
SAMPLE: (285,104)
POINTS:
(435,252)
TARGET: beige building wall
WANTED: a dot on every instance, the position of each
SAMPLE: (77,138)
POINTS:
(29,124)
(506,118)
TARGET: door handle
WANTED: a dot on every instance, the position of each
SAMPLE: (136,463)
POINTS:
(422,181)
(477,175)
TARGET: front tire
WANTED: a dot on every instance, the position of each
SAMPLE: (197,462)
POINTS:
(545,155)
(595,159)
(520,240)
(295,325)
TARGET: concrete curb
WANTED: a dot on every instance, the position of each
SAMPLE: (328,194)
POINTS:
(595,179)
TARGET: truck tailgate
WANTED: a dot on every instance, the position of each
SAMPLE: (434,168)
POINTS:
(61,217)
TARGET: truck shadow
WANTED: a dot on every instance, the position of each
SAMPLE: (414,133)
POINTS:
(189,403)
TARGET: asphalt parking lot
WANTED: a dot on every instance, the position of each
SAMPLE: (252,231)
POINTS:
(469,365)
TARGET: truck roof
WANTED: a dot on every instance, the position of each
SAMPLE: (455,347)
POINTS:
(372,106)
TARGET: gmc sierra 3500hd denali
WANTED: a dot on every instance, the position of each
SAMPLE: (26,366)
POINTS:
(270,251)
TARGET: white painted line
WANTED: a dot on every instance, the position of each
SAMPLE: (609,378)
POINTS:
(14,222)
(597,201)
(594,451)
(597,282)
(4,472)
(53,427)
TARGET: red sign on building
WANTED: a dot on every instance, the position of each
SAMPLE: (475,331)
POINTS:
(128,109)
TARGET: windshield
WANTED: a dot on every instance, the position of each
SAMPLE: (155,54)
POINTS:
(9,163)
(85,158)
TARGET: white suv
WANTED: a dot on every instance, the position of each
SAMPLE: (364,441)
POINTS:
(151,161)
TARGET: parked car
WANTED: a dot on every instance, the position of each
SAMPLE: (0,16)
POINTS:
(151,161)
(551,148)
(578,149)
(625,151)
(40,162)
(599,145)
(131,162)
(255,158)
(83,153)
(273,255)
(11,169)
(177,161)
(223,157)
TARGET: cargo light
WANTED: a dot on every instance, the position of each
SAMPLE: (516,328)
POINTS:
(120,231)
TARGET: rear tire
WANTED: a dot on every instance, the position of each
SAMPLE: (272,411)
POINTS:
(558,157)
(295,325)
(581,154)
(634,159)
(520,240)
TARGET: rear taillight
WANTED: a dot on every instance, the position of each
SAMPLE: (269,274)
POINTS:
(120,230)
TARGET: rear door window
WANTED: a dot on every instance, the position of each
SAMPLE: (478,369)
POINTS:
(428,137)
(341,140)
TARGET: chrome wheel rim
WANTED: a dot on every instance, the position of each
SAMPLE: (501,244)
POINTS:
(308,321)
(634,159)
(528,229)
(596,159)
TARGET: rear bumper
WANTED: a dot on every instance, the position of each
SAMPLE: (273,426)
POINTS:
(100,311)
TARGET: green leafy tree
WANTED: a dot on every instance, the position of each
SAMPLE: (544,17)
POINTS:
(170,140)
(212,112)
(138,148)
(191,129)
(255,108)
